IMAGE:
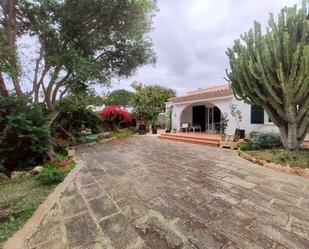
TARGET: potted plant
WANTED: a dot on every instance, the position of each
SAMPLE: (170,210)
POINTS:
(226,141)
(236,113)
(168,122)
(223,126)
(153,122)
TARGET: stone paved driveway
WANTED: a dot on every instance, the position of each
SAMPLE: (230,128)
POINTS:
(143,192)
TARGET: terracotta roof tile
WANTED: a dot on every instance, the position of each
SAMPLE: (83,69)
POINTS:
(206,91)
(213,89)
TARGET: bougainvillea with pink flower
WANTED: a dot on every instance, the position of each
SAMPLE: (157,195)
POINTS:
(115,114)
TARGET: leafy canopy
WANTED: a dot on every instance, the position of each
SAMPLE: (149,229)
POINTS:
(149,100)
(81,42)
(120,97)
(24,133)
(95,40)
(272,70)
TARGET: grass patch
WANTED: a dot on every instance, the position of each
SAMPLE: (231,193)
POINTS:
(52,175)
(284,157)
(20,197)
(120,133)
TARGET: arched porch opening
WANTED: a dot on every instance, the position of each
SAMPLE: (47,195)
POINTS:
(205,115)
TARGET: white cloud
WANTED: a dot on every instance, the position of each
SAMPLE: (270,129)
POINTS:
(191,37)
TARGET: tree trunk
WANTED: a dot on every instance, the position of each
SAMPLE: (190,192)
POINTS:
(289,137)
(11,27)
(3,90)
(51,153)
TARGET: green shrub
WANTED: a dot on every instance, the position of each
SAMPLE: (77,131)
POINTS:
(74,111)
(61,147)
(121,133)
(265,140)
(245,146)
(51,175)
(298,158)
(80,138)
(24,133)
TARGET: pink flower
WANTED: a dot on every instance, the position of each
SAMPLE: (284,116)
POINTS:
(115,113)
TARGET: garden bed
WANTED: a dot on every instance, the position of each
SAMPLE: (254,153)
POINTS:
(21,196)
(280,160)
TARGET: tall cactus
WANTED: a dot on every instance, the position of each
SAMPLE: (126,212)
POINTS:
(271,69)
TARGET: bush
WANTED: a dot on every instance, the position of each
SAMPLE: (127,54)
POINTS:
(121,133)
(116,115)
(60,146)
(298,158)
(245,146)
(51,175)
(265,140)
(24,133)
(75,111)
(72,121)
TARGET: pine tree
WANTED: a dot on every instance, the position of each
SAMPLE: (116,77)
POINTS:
(271,69)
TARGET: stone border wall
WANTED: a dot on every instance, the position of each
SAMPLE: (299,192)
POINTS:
(278,167)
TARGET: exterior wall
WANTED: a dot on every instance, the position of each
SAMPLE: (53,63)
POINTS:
(182,113)
(246,121)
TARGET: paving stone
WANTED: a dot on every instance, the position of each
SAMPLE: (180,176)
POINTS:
(163,195)
(296,191)
(277,194)
(297,212)
(206,238)
(280,236)
(93,245)
(47,232)
(157,230)
(102,207)
(301,228)
(71,190)
(219,205)
(115,172)
(119,231)
(239,182)
(241,237)
(53,216)
(52,244)
(132,208)
(84,179)
(305,203)
(272,215)
(92,191)
(105,181)
(98,173)
(201,213)
(117,193)
(254,197)
(81,230)
(72,205)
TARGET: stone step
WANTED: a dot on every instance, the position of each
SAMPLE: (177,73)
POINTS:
(201,138)
(191,140)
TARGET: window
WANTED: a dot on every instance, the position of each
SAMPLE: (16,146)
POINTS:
(257,114)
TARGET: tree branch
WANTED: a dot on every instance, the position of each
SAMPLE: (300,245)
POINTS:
(35,84)
(58,85)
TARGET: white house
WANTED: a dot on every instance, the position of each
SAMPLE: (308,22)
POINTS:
(203,108)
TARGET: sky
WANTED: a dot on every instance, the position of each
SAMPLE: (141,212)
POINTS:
(190,38)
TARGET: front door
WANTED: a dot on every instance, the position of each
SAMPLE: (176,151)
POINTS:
(198,116)
(213,117)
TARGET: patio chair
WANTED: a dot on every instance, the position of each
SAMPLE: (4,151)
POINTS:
(142,129)
(196,127)
(184,127)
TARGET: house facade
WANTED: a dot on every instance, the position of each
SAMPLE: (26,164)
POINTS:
(203,108)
